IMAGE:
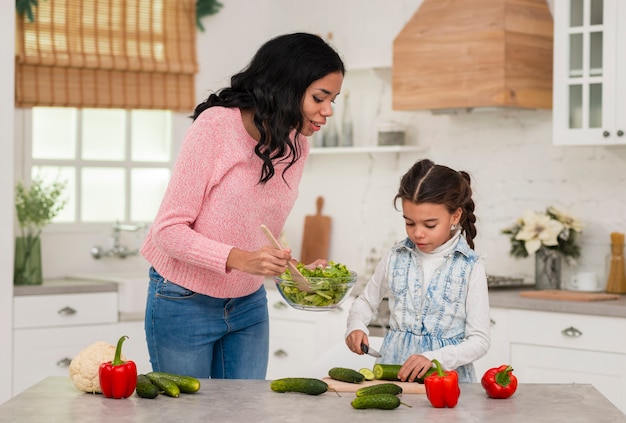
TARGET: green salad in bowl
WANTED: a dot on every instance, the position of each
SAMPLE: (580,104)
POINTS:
(329,286)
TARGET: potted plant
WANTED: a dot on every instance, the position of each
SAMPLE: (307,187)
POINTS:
(36,206)
(549,235)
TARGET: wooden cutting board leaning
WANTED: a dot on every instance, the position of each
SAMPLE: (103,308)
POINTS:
(316,235)
(407,387)
(555,294)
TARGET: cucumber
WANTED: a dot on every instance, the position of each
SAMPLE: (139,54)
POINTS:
(145,388)
(168,386)
(346,375)
(369,375)
(382,388)
(186,384)
(303,385)
(428,373)
(380,401)
(386,371)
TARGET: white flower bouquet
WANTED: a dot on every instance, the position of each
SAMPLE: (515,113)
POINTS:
(553,230)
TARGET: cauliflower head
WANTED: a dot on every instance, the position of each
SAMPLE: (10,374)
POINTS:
(85,366)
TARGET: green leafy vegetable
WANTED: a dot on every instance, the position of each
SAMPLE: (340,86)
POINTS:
(329,284)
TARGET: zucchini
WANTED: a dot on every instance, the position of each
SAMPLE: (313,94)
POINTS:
(186,384)
(168,386)
(346,375)
(145,388)
(303,385)
(386,371)
(382,388)
(380,401)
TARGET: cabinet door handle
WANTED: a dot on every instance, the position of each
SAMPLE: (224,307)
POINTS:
(280,353)
(620,133)
(64,362)
(571,332)
(279,305)
(606,134)
(67,311)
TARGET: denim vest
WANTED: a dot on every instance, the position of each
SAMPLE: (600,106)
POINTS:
(422,322)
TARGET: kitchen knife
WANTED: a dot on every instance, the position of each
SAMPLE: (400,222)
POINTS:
(370,351)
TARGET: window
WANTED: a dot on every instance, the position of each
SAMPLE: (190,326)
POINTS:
(116,162)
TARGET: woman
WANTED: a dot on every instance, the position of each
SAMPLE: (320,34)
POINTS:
(239,167)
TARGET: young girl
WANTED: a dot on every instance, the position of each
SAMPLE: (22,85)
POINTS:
(435,282)
(239,167)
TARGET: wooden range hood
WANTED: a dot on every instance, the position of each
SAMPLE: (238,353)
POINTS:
(465,54)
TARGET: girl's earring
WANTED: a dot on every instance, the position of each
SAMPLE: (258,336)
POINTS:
(454,227)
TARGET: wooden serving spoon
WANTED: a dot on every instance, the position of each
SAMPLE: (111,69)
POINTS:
(301,282)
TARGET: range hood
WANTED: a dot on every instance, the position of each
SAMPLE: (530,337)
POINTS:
(464,54)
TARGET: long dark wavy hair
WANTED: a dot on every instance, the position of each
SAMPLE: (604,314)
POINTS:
(273,85)
(427,182)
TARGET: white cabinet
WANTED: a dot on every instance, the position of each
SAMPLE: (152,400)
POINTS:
(298,338)
(549,347)
(589,72)
(49,330)
(499,352)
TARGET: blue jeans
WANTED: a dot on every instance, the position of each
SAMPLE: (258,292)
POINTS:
(205,337)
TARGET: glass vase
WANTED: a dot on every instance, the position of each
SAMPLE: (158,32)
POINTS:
(547,269)
(27,265)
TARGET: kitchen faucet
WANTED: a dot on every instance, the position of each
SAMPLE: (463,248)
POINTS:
(118,249)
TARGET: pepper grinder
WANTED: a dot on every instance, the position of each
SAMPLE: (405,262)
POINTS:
(616,283)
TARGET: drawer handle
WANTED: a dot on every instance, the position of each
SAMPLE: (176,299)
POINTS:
(491,321)
(280,353)
(64,362)
(279,305)
(572,332)
(67,311)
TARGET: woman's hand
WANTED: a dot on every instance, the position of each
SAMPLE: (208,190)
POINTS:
(355,339)
(267,261)
(415,366)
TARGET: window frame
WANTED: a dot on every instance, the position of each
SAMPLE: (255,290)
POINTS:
(25,162)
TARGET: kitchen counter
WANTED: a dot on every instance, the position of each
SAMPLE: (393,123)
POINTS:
(64,286)
(503,298)
(510,298)
(55,399)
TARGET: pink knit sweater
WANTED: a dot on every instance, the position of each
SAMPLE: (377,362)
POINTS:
(214,203)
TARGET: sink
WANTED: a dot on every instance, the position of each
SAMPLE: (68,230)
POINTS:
(131,290)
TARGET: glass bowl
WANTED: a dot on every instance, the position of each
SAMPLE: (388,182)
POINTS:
(328,293)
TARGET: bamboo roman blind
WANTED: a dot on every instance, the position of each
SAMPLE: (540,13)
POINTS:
(130,54)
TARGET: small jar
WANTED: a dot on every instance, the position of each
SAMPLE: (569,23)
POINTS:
(390,133)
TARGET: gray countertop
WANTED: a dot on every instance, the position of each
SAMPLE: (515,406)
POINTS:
(56,400)
(64,286)
(503,298)
(510,298)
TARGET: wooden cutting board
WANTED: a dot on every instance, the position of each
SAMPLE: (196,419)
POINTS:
(316,235)
(339,386)
(555,294)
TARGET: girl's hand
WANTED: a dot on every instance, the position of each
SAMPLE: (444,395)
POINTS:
(317,263)
(415,366)
(355,339)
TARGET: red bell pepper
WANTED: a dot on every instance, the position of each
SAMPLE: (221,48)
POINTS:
(442,387)
(499,382)
(118,378)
